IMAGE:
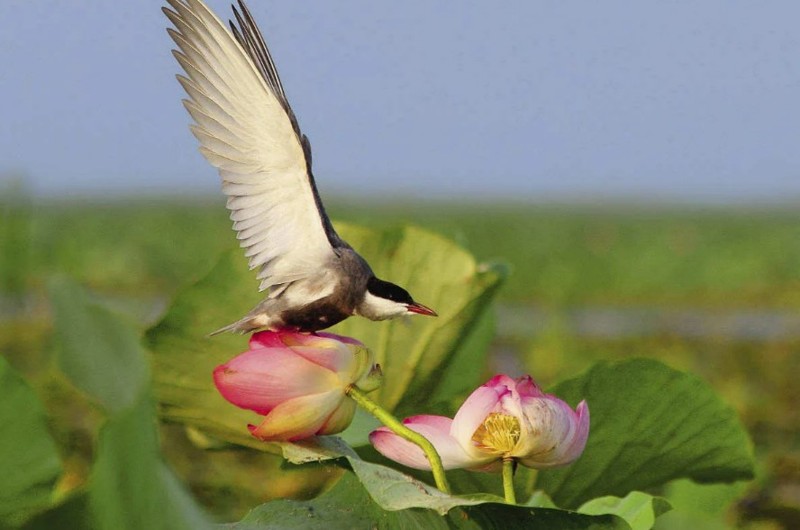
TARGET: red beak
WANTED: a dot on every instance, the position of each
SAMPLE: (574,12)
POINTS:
(421,310)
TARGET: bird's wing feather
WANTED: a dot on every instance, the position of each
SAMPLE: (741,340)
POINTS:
(247,130)
(251,40)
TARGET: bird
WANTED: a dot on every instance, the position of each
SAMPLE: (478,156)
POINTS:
(248,131)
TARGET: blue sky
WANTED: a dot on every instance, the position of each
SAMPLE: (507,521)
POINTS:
(679,99)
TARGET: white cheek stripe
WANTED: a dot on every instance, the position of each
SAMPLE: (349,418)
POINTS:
(380,308)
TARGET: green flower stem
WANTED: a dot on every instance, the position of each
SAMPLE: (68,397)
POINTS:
(360,397)
(508,480)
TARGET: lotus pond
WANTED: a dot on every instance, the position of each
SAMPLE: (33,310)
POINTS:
(699,303)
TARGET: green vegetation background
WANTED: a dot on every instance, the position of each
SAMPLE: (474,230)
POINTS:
(653,260)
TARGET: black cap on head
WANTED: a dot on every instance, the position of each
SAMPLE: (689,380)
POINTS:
(389,291)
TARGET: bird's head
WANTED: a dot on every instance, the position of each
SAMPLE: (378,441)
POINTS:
(386,300)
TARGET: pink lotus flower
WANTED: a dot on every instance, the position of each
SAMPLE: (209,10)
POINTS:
(505,418)
(298,382)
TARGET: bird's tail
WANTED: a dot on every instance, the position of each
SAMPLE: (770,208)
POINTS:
(258,318)
(241,327)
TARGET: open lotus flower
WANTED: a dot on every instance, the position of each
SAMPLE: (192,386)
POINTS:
(505,418)
(298,382)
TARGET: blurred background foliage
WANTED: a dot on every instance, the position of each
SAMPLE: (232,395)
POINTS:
(711,290)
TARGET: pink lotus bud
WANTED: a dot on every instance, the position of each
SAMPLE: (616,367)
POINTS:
(297,381)
(505,418)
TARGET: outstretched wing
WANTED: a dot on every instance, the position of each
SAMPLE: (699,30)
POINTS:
(248,131)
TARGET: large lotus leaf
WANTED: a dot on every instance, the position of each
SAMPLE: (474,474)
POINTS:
(398,492)
(99,351)
(184,357)
(29,463)
(650,424)
(349,505)
(413,354)
(130,486)
(383,497)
